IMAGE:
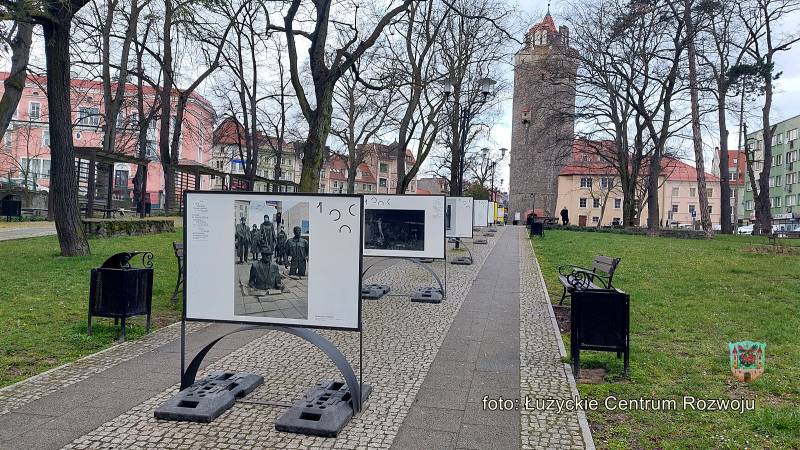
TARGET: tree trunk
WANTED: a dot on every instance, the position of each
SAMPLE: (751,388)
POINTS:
(726,224)
(313,151)
(15,83)
(697,138)
(63,184)
(762,204)
(652,192)
(166,110)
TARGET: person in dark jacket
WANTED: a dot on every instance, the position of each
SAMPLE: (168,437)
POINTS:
(564,216)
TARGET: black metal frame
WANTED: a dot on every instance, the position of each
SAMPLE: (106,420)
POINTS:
(577,322)
(444,228)
(303,331)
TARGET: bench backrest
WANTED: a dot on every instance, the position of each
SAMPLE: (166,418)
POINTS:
(178,246)
(605,265)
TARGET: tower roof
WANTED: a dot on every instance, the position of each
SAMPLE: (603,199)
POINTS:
(547,24)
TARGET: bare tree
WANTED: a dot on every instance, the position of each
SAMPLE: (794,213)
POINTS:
(326,66)
(359,116)
(18,37)
(761,19)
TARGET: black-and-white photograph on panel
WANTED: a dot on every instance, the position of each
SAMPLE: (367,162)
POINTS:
(293,259)
(481,213)
(458,217)
(411,226)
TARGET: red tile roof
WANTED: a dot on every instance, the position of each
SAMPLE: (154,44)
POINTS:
(547,24)
(421,191)
(587,160)
(337,170)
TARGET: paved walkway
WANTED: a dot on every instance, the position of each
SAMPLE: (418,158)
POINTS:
(478,358)
(431,367)
(33,229)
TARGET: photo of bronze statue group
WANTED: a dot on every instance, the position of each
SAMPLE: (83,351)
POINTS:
(395,229)
(271,259)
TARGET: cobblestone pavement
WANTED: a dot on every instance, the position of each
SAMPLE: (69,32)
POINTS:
(38,386)
(400,342)
(543,375)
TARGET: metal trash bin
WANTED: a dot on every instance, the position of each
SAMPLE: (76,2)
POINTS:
(119,291)
(10,208)
(600,321)
(537,229)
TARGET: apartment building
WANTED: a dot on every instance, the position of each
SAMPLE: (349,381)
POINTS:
(25,150)
(784,180)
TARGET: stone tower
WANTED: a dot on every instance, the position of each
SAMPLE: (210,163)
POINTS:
(543,117)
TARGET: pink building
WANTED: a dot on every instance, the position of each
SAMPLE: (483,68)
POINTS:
(25,150)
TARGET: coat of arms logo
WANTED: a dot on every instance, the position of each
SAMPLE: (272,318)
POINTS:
(747,359)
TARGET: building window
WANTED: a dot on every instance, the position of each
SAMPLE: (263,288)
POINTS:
(691,209)
(595,203)
(748,205)
(790,200)
(586,182)
(778,180)
(709,192)
(692,192)
(34,110)
(384,167)
(45,138)
(776,203)
(151,150)
(710,209)
(120,120)
(35,167)
(617,203)
(791,178)
(777,160)
(674,208)
(676,191)
(595,219)
(791,135)
(369,187)
(88,116)
(382,182)
(582,203)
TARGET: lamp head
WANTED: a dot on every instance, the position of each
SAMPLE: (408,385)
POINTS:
(485,85)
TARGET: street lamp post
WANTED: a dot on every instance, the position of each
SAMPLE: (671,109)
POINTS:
(465,117)
(493,164)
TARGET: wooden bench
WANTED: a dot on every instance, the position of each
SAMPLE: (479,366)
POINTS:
(600,276)
(178,247)
(774,236)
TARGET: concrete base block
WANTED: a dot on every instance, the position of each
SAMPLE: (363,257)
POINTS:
(323,411)
(427,295)
(374,291)
(208,398)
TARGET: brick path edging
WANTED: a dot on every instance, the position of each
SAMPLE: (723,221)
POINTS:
(582,421)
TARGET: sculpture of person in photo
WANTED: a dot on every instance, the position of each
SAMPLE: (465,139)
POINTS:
(564,216)
(255,241)
(280,250)
(264,274)
(242,241)
(267,237)
(297,252)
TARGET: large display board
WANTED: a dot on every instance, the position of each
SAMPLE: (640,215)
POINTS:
(458,217)
(293,259)
(405,226)
(481,213)
(491,213)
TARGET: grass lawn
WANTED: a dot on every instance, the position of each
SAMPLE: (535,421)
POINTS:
(44,299)
(688,300)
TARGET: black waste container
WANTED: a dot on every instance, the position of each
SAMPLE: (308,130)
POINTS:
(600,322)
(119,291)
(10,208)
(537,229)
